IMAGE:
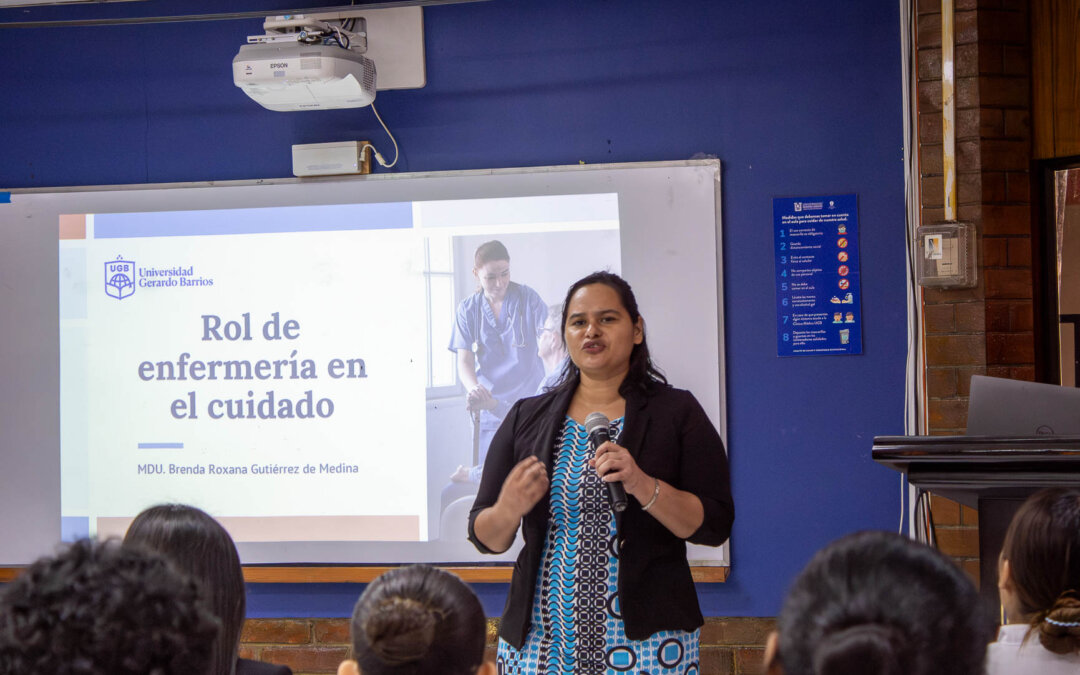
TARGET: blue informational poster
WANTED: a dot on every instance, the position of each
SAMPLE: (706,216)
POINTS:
(817,275)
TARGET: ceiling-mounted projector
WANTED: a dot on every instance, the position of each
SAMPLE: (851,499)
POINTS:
(304,77)
(306,63)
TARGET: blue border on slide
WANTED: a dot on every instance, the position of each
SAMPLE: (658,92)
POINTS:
(334,217)
(73,528)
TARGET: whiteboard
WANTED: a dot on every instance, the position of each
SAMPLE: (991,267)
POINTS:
(557,222)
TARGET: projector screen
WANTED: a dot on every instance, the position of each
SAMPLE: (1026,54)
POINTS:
(279,353)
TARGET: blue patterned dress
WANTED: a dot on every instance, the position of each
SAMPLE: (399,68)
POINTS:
(576,624)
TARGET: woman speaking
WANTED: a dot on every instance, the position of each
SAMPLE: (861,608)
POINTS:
(592,589)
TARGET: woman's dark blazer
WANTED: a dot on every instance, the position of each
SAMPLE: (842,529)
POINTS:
(670,438)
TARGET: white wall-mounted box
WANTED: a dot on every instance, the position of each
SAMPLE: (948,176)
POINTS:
(946,255)
(331,159)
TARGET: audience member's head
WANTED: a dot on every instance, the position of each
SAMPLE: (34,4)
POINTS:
(200,547)
(1039,571)
(418,620)
(100,609)
(876,603)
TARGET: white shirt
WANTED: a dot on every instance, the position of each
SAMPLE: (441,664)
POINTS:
(1008,656)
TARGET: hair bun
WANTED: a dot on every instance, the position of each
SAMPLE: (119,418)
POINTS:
(1059,630)
(864,649)
(400,630)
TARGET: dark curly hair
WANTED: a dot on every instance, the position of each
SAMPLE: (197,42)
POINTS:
(643,373)
(100,609)
(418,620)
(199,546)
(877,603)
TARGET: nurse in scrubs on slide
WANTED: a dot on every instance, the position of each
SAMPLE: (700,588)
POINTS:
(495,337)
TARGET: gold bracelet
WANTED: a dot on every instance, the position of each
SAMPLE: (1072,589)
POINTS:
(655,494)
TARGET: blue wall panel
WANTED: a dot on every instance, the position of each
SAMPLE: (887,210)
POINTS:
(794,98)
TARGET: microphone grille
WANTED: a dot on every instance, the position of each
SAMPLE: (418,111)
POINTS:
(595,421)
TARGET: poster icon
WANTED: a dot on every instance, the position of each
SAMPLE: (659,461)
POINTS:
(845,336)
(932,243)
(120,278)
(843,270)
(842,242)
(842,256)
(844,284)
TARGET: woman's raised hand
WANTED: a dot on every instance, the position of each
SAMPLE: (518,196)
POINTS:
(525,485)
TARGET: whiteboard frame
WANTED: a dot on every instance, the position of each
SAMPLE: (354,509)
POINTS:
(21,483)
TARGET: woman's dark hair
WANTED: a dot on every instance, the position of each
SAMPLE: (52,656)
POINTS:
(418,620)
(103,609)
(1042,546)
(488,251)
(643,373)
(877,603)
(199,546)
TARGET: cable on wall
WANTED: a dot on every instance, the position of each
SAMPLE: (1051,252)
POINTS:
(914,386)
(378,157)
(924,519)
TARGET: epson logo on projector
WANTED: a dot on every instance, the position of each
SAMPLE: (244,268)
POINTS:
(279,65)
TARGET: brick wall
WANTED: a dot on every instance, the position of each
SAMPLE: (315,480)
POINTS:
(729,646)
(988,329)
(305,645)
(1005,159)
(957,529)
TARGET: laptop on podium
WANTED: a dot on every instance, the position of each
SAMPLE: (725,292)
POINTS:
(1001,407)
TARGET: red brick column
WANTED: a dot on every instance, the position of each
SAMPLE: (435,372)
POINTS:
(954,320)
(1005,158)
(987,329)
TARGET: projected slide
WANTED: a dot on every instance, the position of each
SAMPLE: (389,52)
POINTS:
(292,370)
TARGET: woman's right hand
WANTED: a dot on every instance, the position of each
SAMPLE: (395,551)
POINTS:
(496,526)
(525,485)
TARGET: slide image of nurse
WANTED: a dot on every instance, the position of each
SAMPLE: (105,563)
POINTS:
(495,336)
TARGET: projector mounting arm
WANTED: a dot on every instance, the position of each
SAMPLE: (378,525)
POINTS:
(312,28)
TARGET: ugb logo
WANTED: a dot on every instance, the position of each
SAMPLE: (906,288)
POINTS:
(120,278)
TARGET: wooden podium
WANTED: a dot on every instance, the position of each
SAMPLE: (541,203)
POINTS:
(990,473)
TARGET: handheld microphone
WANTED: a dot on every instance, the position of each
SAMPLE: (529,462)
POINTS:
(596,426)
